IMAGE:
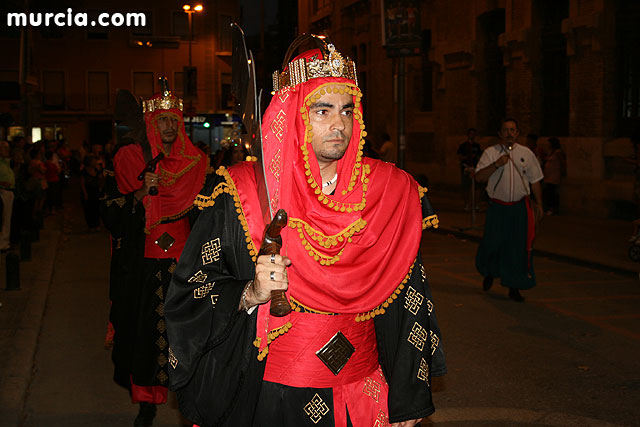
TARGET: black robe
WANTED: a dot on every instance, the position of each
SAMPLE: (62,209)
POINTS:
(137,287)
(213,363)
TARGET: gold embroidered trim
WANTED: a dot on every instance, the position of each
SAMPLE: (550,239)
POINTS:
(179,214)
(207,201)
(299,70)
(168,218)
(301,308)
(430,221)
(120,201)
(272,335)
(233,191)
(394,295)
(423,191)
(358,168)
(325,241)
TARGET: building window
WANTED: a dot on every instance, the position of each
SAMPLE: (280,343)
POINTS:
(143,84)
(225,91)
(224,33)
(491,72)
(321,6)
(554,69)
(53,90)
(180,25)
(98,90)
(9,86)
(363,55)
(628,38)
(426,86)
(178,83)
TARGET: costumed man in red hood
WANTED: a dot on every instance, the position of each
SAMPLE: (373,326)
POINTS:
(148,234)
(362,342)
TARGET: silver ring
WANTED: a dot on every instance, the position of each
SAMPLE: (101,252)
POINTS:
(272,275)
(273,258)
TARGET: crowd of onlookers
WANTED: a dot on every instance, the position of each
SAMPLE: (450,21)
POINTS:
(33,178)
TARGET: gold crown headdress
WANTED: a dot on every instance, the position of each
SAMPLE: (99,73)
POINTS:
(166,101)
(299,70)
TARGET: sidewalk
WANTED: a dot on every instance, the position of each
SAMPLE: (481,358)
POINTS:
(20,319)
(599,243)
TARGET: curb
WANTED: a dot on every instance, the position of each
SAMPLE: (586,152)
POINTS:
(17,378)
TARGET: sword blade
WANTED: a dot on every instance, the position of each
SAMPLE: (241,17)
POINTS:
(248,107)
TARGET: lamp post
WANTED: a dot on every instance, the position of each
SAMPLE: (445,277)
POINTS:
(190,72)
(189,9)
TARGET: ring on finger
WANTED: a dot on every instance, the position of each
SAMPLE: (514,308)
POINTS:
(272,275)
(273,258)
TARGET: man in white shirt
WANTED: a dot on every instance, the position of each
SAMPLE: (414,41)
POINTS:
(512,173)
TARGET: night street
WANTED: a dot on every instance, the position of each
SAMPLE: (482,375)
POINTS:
(565,357)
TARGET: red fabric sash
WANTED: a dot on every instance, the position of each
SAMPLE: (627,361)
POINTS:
(155,394)
(531,224)
(292,357)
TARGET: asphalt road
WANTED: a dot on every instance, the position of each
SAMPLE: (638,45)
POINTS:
(568,356)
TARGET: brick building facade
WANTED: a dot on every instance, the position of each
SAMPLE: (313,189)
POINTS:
(72,73)
(564,68)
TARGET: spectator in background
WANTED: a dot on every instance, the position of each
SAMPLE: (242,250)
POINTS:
(368,150)
(532,144)
(54,189)
(98,152)
(236,153)
(7,186)
(91,185)
(37,183)
(387,149)
(22,204)
(555,167)
(468,153)
(204,147)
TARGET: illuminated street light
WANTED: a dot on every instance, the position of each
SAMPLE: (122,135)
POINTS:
(189,10)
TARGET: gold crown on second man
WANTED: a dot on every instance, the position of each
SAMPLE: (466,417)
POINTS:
(166,101)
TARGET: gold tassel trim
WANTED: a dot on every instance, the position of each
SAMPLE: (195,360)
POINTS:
(233,191)
(301,308)
(202,202)
(430,221)
(325,241)
(381,308)
(423,191)
(272,335)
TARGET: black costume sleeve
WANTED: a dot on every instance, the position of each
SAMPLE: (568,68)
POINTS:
(125,222)
(410,342)
(213,362)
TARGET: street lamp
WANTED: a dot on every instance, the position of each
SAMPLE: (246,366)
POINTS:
(189,9)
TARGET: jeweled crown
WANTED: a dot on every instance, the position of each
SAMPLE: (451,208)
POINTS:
(166,101)
(299,70)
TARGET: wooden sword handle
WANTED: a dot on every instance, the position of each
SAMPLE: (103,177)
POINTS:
(271,244)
